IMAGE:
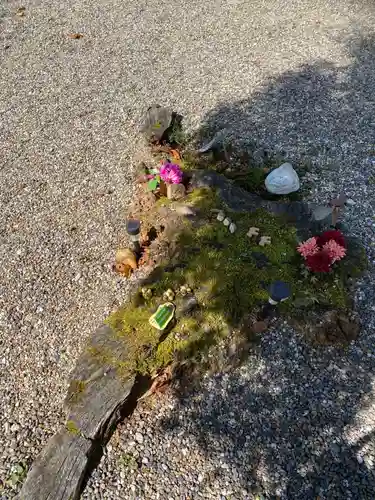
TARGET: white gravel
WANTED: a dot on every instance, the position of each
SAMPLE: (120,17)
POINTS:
(69,113)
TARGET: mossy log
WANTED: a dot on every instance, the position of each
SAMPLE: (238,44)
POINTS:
(96,401)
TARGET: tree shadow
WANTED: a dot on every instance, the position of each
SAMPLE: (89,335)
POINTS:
(319,110)
(285,421)
(288,423)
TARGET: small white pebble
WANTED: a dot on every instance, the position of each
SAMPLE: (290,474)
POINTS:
(139,437)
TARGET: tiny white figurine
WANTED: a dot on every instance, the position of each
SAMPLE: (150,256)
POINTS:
(221,216)
(253,231)
(265,240)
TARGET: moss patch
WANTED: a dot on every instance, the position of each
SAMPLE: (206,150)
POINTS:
(72,428)
(246,175)
(229,275)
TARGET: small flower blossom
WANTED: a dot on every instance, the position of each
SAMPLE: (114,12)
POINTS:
(320,262)
(171,173)
(322,251)
(308,247)
(331,235)
(334,250)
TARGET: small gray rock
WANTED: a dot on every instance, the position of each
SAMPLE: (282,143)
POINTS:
(232,227)
(186,305)
(156,122)
(175,191)
(139,437)
(215,143)
(322,212)
(185,211)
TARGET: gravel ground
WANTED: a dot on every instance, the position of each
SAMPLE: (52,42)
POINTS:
(297,76)
(292,423)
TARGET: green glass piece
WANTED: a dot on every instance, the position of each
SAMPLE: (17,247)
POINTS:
(152,184)
(162,316)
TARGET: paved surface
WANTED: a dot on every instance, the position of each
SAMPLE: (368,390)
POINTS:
(296,75)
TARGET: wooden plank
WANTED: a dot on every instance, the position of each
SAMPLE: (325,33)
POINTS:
(95,401)
(58,472)
(97,392)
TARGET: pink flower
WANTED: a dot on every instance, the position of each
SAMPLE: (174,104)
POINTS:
(334,250)
(308,247)
(171,173)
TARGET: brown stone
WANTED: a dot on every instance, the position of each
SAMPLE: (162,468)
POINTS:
(334,327)
(260,326)
(126,257)
(175,191)
(349,327)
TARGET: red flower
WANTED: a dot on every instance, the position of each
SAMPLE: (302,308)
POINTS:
(331,235)
(320,262)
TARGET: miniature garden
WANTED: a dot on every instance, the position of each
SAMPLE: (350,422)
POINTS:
(220,249)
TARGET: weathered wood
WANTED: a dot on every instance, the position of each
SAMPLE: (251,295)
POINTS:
(239,200)
(96,398)
(97,391)
(58,472)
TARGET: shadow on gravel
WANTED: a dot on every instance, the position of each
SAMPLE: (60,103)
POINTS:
(287,423)
(320,110)
(284,423)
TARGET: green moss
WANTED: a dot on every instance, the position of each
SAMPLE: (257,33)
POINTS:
(139,338)
(128,461)
(188,162)
(176,134)
(163,201)
(18,473)
(251,179)
(72,428)
(204,199)
(78,386)
(223,271)
(76,389)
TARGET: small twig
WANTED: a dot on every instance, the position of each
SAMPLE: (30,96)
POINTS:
(335,215)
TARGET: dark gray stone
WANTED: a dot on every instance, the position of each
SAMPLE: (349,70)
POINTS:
(156,122)
(214,144)
(261,259)
(239,200)
(235,197)
(186,305)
